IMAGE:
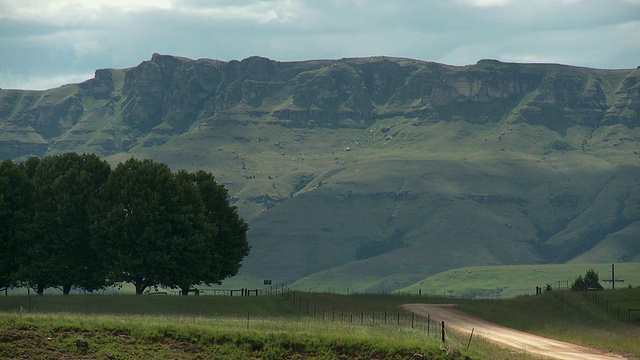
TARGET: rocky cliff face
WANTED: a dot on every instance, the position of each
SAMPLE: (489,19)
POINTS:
(168,95)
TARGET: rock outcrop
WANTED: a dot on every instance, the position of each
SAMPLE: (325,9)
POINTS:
(168,95)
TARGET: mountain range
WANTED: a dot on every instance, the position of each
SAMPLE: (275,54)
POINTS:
(372,173)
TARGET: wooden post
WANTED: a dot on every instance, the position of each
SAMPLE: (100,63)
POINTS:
(469,343)
(443,337)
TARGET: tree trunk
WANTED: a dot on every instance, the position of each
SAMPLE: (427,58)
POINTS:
(139,287)
(66,289)
(184,291)
(40,289)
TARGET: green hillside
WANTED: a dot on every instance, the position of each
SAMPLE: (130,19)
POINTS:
(372,174)
(515,280)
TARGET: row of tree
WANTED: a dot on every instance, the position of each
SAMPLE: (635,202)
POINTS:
(71,221)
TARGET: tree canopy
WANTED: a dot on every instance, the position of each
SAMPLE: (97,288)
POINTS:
(590,281)
(73,222)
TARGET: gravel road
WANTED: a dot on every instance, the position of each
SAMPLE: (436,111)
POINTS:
(507,337)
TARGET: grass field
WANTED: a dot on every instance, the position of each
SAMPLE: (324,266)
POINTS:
(280,327)
(515,280)
(211,327)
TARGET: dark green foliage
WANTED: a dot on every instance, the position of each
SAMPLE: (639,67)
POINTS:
(15,211)
(230,242)
(590,281)
(155,227)
(57,251)
(69,221)
(132,222)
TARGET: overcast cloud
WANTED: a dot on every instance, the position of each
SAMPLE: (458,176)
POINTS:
(48,43)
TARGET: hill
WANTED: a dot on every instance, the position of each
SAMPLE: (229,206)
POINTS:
(515,280)
(374,172)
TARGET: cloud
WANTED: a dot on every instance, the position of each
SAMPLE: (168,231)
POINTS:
(485,3)
(73,12)
(50,39)
(40,82)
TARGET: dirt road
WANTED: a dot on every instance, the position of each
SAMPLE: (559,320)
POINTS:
(507,337)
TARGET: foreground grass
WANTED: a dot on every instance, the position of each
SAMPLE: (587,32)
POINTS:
(279,327)
(43,336)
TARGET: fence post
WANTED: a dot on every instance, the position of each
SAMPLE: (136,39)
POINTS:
(469,343)
(443,338)
(428,324)
(412,318)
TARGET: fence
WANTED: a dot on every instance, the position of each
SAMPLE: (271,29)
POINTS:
(372,318)
(561,285)
(631,316)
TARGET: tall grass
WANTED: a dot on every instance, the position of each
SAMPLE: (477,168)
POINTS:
(146,336)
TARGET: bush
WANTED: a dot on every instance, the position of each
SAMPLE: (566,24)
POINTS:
(590,281)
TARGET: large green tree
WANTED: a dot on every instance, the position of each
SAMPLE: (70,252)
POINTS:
(15,213)
(230,243)
(58,251)
(188,248)
(210,235)
(132,223)
(159,228)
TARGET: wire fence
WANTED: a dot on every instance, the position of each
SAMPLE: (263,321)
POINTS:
(628,315)
(372,318)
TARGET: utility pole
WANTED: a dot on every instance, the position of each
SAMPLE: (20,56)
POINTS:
(613,279)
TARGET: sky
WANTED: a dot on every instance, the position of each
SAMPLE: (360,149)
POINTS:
(49,43)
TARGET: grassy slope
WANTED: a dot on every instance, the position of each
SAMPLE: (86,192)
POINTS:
(324,228)
(511,281)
